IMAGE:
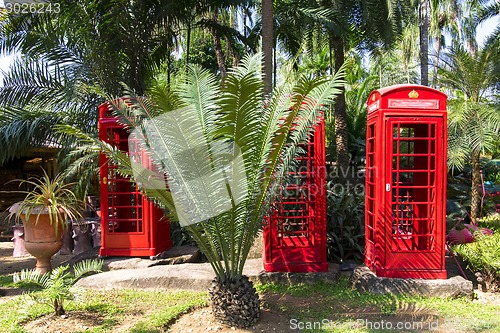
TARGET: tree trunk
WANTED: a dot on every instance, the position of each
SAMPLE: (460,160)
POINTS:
(341,134)
(58,308)
(231,51)
(188,44)
(436,61)
(235,303)
(330,57)
(424,42)
(267,45)
(169,60)
(275,62)
(219,54)
(476,182)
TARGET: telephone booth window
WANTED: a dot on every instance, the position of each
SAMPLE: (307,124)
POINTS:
(406,182)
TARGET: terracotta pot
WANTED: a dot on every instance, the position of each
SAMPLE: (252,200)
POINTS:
(42,239)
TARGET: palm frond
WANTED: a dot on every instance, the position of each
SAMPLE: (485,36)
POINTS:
(30,276)
(86,266)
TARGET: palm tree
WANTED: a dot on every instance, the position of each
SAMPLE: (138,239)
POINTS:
(474,120)
(223,150)
(376,22)
(57,285)
(444,17)
(70,59)
(339,25)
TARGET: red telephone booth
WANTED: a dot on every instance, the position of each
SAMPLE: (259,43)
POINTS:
(405,208)
(295,232)
(131,225)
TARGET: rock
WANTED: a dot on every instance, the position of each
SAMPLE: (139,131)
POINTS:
(191,276)
(174,256)
(185,276)
(332,276)
(364,280)
(132,263)
(348,266)
(91,254)
(178,255)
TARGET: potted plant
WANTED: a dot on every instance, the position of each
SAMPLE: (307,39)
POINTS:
(44,212)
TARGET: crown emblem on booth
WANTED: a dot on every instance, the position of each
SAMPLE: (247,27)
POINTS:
(413,94)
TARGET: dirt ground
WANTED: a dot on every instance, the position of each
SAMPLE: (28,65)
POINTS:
(274,317)
(9,264)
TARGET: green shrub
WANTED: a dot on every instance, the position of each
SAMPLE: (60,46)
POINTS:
(491,221)
(483,256)
(345,225)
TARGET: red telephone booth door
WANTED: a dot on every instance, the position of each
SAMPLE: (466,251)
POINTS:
(414,196)
(122,207)
(295,236)
(131,224)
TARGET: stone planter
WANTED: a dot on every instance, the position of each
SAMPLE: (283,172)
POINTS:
(82,235)
(42,239)
(68,244)
(96,233)
(18,239)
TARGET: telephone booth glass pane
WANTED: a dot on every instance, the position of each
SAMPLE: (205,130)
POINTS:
(295,205)
(124,198)
(413,188)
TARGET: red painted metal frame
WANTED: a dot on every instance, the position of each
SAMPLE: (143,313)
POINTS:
(131,224)
(295,232)
(405,205)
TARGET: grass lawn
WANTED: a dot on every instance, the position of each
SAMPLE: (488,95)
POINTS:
(137,311)
(303,308)
(337,308)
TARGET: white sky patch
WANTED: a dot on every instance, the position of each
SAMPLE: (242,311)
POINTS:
(485,29)
(5,61)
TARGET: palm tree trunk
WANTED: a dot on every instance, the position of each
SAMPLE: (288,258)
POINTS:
(436,61)
(476,182)
(58,308)
(341,133)
(424,42)
(330,57)
(267,44)
(219,54)
(188,43)
(275,62)
(235,55)
(169,65)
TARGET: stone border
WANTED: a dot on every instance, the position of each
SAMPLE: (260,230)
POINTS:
(364,280)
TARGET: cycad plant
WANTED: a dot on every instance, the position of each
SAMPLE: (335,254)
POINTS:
(57,285)
(222,150)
